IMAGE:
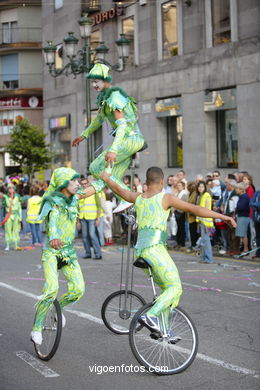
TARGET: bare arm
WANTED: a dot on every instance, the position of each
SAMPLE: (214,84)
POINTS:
(171,201)
(129,196)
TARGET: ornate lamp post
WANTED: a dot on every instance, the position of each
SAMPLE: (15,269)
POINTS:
(80,62)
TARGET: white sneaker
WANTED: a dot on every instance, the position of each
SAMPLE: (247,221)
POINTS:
(36,337)
(63,320)
(7,249)
(122,206)
(222,252)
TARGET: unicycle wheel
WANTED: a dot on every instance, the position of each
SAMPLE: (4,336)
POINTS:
(51,333)
(117,312)
(165,354)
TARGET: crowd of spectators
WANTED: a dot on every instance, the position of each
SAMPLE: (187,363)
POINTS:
(233,195)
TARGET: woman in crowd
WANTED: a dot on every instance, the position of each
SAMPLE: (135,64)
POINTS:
(242,215)
(206,225)
(33,208)
(191,187)
(180,215)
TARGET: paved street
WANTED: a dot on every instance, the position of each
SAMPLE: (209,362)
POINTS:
(222,299)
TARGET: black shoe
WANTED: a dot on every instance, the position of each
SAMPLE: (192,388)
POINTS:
(172,338)
(151,323)
(98,258)
(86,257)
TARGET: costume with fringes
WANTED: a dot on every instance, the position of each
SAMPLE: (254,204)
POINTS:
(128,137)
(60,214)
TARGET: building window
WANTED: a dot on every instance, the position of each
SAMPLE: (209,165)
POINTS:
(8,120)
(221,26)
(128,28)
(9,32)
(174,141)
(9,77)
(226,121)
(169,27)
(91,6)
(58,4)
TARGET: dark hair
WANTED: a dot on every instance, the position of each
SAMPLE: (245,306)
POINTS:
(191,186)
(26,190)
(34,191)
(197,186)
(154,175)
(231,176)
(181,170)
(109,195)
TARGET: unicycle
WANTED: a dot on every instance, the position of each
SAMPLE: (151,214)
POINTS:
(120,307)
(170,351)
(52,327)
(51,333)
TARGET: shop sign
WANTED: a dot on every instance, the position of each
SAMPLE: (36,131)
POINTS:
(102,17)
(21,102)
(224,99)
(60,122)
(168,107)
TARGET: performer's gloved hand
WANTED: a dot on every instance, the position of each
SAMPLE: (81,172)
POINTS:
(110,158)
(56,244)
(77,140)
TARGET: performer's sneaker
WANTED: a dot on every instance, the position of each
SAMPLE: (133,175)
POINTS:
(63,319)
(123,205)
(150,322)
(36,337)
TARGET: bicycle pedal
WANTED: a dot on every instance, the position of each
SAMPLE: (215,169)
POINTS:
(174,340)
(155,335)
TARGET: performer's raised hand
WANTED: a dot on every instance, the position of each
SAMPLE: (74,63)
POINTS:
(77,140)
(110,157)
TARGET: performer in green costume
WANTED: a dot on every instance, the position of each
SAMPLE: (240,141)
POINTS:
(60,211)
(120,109)
(152,209)
(12,205)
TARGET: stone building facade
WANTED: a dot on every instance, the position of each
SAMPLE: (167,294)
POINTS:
(193,69)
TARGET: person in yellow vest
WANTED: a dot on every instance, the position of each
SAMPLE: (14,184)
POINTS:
(89,216)
(33,208)
(206,225)
(100,227)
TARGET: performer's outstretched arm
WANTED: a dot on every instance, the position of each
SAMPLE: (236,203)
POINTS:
(129,196)
(94,125)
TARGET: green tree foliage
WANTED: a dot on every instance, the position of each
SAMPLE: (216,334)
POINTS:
(28,148)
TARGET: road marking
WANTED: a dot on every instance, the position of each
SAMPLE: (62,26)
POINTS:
(38,366)
(226,292)
(216,362)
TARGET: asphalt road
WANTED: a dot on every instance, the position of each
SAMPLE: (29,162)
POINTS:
(222,299)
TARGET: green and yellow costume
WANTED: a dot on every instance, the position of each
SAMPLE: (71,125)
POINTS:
(60,214)
(152,236)
(12,224)
(128,137)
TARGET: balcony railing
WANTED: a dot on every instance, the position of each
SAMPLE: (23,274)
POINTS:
(21,81)
(20,35)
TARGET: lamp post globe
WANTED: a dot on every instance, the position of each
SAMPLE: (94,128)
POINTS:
(85,25)
(49,53)
(70,45)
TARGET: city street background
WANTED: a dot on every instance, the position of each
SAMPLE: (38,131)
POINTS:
(222,299)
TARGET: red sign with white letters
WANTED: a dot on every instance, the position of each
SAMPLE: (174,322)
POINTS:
(21,102)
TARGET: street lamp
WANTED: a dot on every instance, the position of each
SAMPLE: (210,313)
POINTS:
(80,62)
